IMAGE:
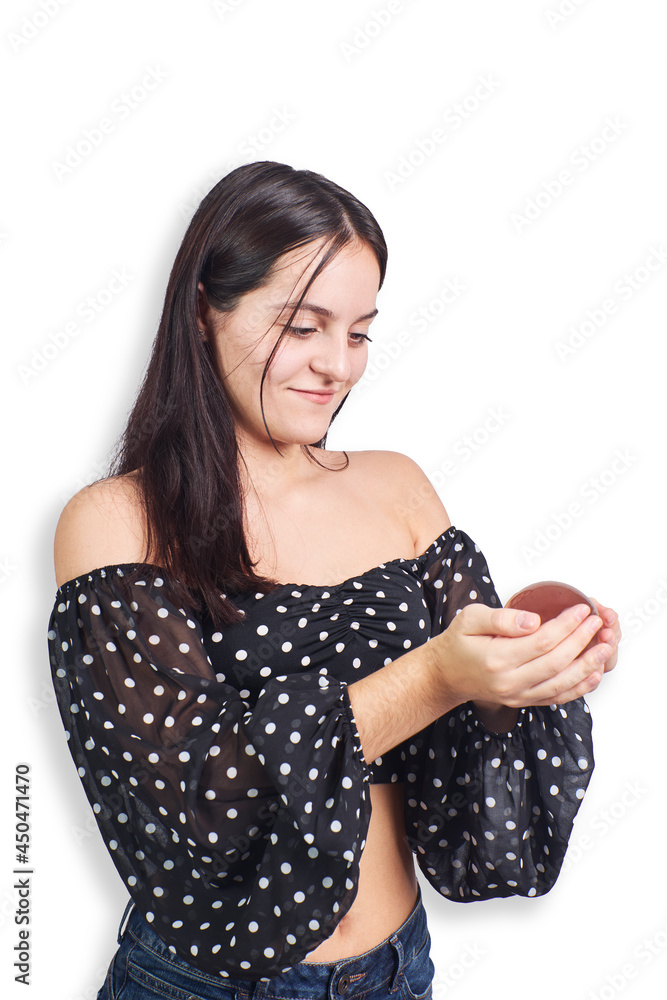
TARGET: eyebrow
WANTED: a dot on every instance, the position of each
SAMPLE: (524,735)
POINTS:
(321,310)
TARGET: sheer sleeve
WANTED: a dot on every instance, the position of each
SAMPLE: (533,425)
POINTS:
(237,828)
(490,814)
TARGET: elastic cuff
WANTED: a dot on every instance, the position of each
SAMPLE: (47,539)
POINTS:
(492,732)
(355,739)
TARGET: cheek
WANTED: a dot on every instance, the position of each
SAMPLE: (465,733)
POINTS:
(285,364)
(242,385)
(358,364)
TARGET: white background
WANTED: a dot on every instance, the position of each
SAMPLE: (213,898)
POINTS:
(354,90)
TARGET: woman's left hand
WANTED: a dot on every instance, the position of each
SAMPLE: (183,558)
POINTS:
(610,632)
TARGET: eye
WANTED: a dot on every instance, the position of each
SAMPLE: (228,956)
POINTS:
(303,331)
(299,331)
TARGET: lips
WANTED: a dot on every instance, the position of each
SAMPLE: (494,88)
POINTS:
(316,395)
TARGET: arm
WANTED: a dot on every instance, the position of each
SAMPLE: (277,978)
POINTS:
(417,688)
(490,814)
(399,700)
(489,809)
(457,666)
(427,516)
(203,798)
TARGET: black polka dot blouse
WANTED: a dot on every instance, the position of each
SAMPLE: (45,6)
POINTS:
(226,772)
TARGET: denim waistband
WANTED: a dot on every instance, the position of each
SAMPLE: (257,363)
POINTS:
(377,971)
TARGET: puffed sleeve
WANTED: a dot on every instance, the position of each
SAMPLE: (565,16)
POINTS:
(237,828)
(490,814)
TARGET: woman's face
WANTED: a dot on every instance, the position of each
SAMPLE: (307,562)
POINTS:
(322,355)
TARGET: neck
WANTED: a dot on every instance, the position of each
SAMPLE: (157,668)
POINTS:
(267,471)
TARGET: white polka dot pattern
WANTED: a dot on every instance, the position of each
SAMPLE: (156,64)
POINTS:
(490,814)
(225,768)
(346,631)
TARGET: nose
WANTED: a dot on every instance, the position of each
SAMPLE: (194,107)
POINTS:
(331,356)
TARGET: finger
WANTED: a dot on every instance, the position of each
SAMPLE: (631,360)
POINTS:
(558,642)
(608,615)
(607,634)
(478,619)
(578,691)
(608,637)
(576,676)
(560,670)
(611,634)
(574,624)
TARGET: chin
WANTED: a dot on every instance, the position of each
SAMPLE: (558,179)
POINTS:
(307,436)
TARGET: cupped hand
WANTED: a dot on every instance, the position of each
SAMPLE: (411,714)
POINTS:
(610,633)
(501,656)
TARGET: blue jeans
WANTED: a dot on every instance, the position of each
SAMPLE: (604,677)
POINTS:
(400,968)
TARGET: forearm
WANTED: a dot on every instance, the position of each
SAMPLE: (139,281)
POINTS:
(398,700)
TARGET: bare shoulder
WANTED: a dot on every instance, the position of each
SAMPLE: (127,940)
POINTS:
(408,490)
(101,525)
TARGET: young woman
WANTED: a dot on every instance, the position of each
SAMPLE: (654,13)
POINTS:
(283,679)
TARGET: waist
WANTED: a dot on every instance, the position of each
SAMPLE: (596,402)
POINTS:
(375,972)
(387,887)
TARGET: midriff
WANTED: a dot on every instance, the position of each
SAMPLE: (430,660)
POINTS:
(361,506)
(387,889)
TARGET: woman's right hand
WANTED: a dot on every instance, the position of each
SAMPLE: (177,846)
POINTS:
(486,655)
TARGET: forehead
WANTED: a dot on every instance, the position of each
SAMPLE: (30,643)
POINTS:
(297,266)
(293,270)
(348,284)
(300,258)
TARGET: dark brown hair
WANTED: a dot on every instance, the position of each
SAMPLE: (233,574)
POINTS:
(179,439)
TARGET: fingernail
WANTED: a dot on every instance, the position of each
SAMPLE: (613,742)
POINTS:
(527,620)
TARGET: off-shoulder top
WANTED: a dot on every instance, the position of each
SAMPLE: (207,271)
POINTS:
(226,772)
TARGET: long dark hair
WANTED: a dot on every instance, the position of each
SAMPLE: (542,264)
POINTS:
(179,440)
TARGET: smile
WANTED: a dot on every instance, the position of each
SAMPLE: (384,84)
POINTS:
(316,397)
